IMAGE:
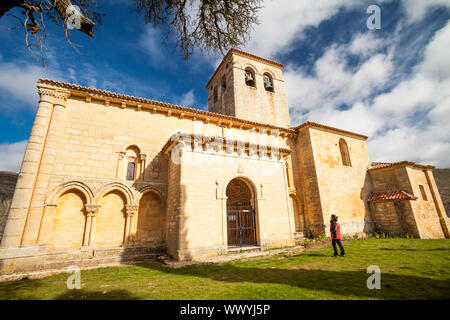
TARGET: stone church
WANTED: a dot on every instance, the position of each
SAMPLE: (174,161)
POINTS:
(112,178)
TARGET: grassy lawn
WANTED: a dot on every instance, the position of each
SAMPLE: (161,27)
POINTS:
(410,269)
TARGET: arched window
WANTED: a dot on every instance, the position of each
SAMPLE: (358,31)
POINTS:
(250,79)
(133,161)
(131,170)
(345,155)
(268,82)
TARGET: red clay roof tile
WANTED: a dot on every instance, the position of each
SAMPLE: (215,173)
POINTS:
(391,195)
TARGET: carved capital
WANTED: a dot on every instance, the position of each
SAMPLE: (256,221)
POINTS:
(131,209)
(53,95)
(92,209)
(121,155)
(142,157)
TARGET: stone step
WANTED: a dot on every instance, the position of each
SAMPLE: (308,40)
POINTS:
(243,249)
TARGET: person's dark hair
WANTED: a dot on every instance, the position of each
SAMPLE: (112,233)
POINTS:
(334,217)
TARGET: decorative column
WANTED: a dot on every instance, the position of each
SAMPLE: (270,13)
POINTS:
(119,162)
(131,212)
(45,170)
(89,229)
(44,129)
(142,158)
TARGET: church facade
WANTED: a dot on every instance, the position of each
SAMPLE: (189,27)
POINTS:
(111,178)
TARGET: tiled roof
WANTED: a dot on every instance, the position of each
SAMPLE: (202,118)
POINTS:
(322,126)
(246,55)
(381,165)
(391,195)
(166,105)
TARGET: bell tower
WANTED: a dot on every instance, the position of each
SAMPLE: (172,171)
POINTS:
(250,88)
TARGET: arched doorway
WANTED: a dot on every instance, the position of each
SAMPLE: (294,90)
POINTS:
(241,215)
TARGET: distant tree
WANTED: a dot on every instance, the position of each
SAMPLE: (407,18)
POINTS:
(211,25)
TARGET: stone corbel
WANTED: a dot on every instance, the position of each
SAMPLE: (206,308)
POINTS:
(229,146)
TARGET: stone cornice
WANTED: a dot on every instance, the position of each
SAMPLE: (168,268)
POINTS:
(219,144)
(379,166)
(162,107)
(330,129)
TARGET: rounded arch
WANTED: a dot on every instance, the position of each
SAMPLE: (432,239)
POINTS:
(345,154)
(269,72)
(115,186)
(268,82)
(294,193)
(298,210)
(250,77)
(147,189)
(251,66)
(242,219)
(246,179)
(72,185)
(133,148)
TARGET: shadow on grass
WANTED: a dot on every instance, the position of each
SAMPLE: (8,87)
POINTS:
(84,294)
(14,290)
(26,289)
(345,283)
(412,249)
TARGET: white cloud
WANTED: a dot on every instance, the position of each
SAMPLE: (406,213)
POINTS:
(19,80)
(11,155)
(283,21)
(187,99)
(334,83)
(417,9)
(408,122)
(151,42)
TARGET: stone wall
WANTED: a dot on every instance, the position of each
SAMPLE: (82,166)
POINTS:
(418,217)
(82,179)
(246,102)
(442,177)
(343,190)
(7,184)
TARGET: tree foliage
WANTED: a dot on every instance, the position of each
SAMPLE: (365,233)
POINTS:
(211,25)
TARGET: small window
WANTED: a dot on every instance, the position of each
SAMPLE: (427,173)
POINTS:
(422,191)
(224,83)
(250,77)
(215,94)
(345,155)
(131,171)
(268,82)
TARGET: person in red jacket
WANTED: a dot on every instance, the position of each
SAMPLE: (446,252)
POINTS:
(335,231)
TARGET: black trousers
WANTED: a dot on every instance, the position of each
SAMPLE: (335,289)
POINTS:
(339,243)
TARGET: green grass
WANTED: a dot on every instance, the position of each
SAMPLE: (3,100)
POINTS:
(410,269)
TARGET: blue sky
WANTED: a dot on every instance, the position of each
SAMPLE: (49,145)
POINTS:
(392,84)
